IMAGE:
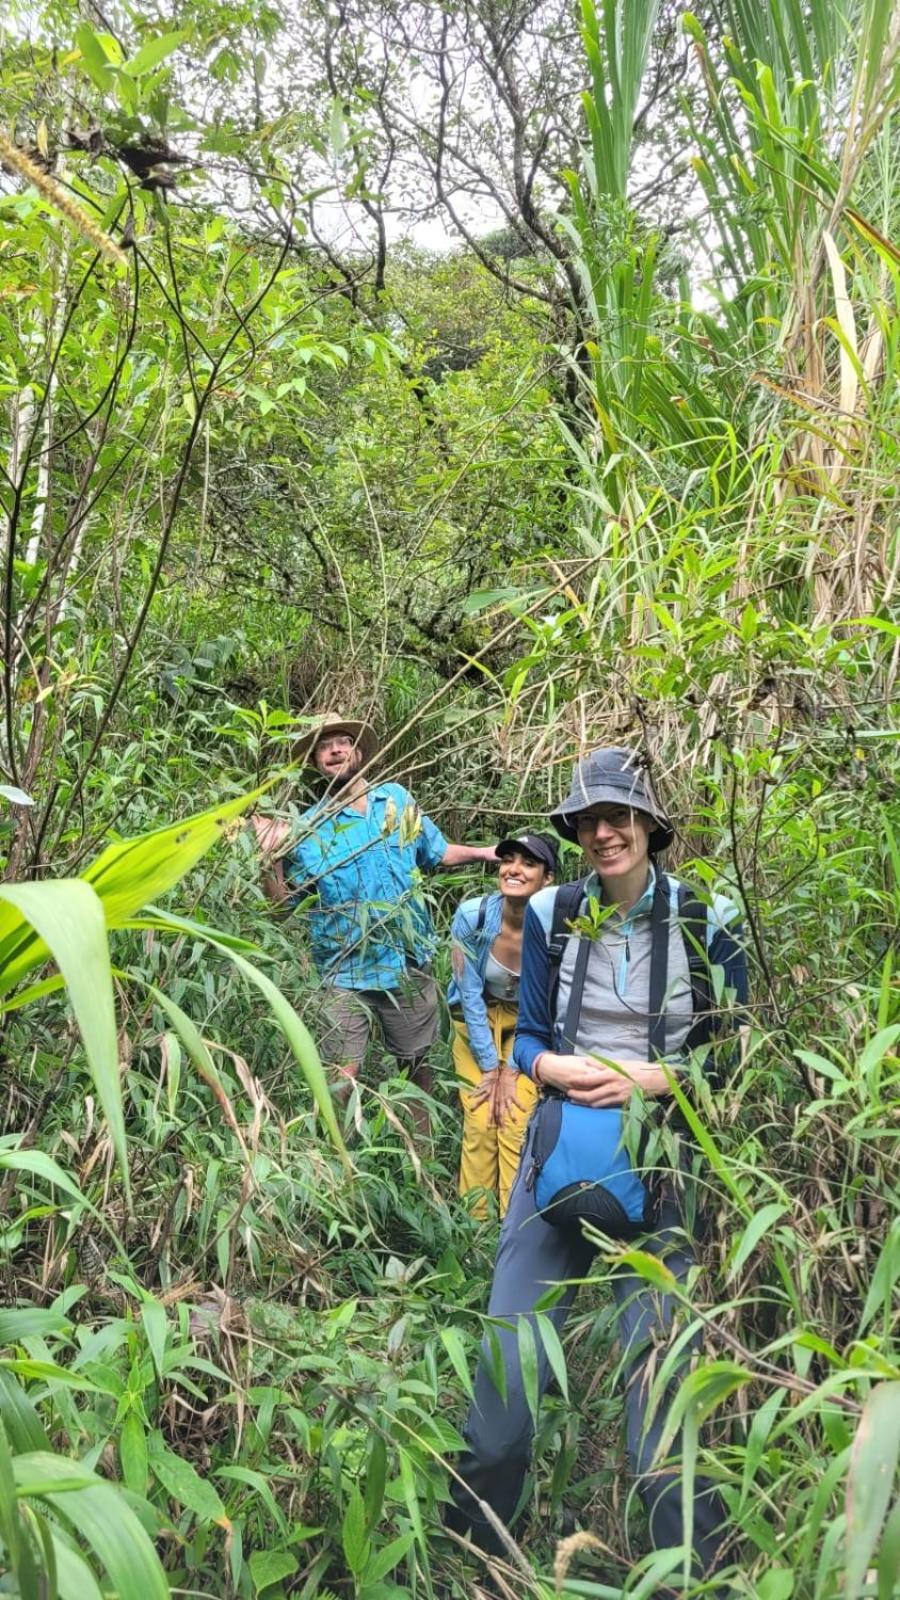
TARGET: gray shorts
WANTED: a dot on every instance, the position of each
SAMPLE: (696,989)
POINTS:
(407,1017)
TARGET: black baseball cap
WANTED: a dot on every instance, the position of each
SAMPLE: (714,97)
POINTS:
(540,845)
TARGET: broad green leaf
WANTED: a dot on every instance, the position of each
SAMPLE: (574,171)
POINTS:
(15,796)
(68,917)
(268,1567)
(387,1559)
(376,1479)
(133,1453)
(98,1513)
(24,1428)
(153,52)
(453,1343)
(553,1350)
(354,1538)
(130,874)
(74,1576)
(42,1166)
(22,1322)
(889,1556)
(870,1481)
(183,1482)
(776,1584)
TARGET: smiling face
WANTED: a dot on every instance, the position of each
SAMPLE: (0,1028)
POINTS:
(337,757)
(520,875)
(615,839)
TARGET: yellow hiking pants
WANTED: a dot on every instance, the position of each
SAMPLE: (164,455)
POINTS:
(490,1156)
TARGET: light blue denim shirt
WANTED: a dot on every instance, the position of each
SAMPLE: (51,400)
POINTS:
(471,947)
(371,918)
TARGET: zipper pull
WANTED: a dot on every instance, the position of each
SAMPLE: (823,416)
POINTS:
(530,1176)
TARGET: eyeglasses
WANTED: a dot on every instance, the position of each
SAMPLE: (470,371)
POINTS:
(616,816)
(339,742)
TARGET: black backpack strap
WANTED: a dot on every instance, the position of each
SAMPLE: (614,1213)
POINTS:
(573,1005)
(659,968)
(692,920)
(566,905)
(482,912)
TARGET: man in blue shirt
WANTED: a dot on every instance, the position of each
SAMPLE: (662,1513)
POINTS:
(361,851)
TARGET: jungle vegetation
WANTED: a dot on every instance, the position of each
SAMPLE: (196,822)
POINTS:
(520,376)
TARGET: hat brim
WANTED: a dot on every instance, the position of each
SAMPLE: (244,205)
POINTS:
(508,847)
(661,834)
(360,732)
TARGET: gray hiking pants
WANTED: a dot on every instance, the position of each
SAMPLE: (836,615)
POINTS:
(531,1257)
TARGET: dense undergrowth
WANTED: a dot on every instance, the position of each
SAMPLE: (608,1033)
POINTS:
(652,500)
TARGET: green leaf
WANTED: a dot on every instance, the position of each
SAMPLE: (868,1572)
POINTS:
(156,1327)
(98,1513)
(553,1350)
(68,917)
(776,1584)
(133,1453)
(528,1362)
(870,1481)
(387,1559)
(130,874)
(453,1343)
(23,1322)
(268,1567)
(15,796)
(184,1483)
(376,1478)
(42,1166)
(353,1533)
(889,1556)
(752,1234)
(94,56)
(153,52)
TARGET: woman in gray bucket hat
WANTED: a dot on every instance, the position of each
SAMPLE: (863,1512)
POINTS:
(617,979)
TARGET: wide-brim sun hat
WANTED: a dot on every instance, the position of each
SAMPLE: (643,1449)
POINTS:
(609,776)
(361,733)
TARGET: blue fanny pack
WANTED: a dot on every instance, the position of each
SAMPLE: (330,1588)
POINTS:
(579,1168)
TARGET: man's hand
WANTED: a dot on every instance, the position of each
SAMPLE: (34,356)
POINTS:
(271,833)
(498,1090)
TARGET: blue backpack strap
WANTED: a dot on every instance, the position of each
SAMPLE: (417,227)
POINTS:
(566,905)
(482,912)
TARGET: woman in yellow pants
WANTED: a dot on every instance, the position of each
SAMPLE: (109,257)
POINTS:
(496,1098)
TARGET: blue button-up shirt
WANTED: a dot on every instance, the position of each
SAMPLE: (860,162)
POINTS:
(371,918)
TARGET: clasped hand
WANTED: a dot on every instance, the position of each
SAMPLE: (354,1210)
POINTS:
(589,1082)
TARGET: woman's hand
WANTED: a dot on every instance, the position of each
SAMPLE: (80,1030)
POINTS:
(588,1082)
(498,1090)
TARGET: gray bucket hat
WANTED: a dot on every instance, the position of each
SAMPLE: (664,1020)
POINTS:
(612,777)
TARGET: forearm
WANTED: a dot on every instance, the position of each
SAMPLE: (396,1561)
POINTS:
(457,855)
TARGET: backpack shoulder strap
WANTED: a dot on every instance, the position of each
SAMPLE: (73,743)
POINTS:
(482,912)
(566,903)
(692,921)
(659,968)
